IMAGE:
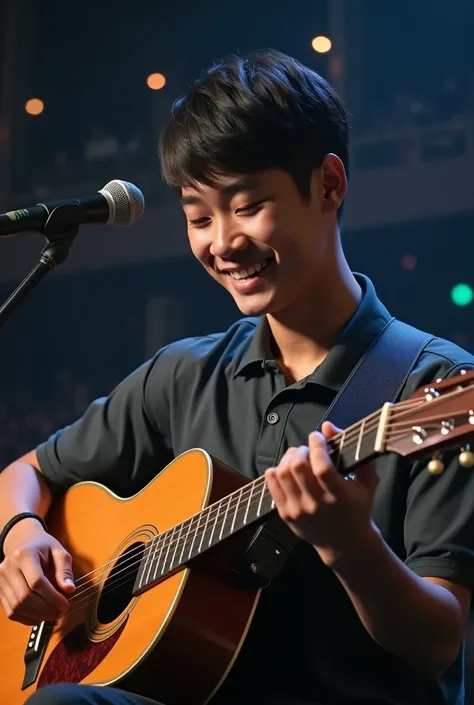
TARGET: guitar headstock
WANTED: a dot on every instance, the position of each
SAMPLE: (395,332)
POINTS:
(435,418)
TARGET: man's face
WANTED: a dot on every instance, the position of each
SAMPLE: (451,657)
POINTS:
(257,237)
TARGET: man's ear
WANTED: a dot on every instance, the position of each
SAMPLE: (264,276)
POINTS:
(333,181)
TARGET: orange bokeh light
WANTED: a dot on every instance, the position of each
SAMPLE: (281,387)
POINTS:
(321,44)
(156,81)
(34,106)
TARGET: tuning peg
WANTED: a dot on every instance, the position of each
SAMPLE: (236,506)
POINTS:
(466,457)
(435,466)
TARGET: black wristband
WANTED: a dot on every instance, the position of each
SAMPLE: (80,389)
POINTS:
(14,520)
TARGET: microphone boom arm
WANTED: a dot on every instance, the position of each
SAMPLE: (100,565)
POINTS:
(59,235)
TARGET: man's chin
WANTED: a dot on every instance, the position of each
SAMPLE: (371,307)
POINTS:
(253,306)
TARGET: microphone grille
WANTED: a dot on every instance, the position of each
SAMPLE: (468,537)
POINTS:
(126,202)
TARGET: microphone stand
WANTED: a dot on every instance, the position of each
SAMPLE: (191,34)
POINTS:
(59,231)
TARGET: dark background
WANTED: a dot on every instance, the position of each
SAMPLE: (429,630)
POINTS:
(408,80)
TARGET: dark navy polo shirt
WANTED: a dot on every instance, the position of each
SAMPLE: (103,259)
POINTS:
(225,393)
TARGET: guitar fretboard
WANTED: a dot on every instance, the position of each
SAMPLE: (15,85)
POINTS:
(180,544)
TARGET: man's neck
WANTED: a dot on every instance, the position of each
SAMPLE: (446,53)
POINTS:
(303,335)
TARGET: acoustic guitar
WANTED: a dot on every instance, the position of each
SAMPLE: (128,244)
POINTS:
(159,608)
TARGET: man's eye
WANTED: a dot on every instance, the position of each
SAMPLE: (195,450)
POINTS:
(199,222)
(251,208)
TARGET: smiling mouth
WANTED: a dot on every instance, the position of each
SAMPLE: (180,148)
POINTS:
(252,271)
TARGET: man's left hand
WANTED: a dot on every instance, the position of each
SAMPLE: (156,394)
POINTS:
(318,504)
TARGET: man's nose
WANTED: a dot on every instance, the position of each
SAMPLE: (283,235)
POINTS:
(227,238)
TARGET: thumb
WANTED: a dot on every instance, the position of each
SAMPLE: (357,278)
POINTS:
(368,476)
(63,570)
(329,430)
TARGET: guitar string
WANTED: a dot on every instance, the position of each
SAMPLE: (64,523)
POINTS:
(95,587)
(198,530)
(350,436)
(240,495)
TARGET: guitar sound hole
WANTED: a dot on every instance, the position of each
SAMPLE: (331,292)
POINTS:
(117,591)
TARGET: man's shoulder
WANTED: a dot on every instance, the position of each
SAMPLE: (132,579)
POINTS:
(439,359)
(215,349)
(447,354)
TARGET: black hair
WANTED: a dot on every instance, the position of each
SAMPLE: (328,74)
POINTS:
(261,111)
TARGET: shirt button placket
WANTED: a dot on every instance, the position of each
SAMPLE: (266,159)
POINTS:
(273,426)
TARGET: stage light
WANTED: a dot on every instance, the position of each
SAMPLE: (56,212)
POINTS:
(156,81)
(34,106)
(321,44)
(462,294)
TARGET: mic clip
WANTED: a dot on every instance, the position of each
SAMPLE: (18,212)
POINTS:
(59,232)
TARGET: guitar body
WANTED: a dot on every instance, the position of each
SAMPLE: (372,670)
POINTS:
(174,642)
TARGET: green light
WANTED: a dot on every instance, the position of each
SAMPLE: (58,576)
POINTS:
(462,294)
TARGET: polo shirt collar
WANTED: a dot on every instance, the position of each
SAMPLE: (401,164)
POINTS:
(349,345)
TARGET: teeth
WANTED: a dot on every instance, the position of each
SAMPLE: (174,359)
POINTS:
(253,269)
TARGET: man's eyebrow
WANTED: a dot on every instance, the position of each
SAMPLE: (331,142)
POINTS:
(242,183)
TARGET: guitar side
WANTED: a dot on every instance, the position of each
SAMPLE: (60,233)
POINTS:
(175,642)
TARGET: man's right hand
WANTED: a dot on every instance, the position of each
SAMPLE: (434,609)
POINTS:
(35,575)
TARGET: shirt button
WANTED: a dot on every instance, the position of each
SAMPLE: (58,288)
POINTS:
(273,417)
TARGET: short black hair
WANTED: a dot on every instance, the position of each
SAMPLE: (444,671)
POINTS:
(251,113)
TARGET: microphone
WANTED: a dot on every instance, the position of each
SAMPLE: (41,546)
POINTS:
(118,203)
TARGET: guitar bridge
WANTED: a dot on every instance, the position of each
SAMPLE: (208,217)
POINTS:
(34,654)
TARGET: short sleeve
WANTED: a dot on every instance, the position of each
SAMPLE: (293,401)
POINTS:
(115,442)
(439,521)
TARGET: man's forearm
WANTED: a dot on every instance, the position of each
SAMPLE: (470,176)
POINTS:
(416,620)
(22,490)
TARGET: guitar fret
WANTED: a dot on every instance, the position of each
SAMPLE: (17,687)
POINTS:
(172,564)
(359,440)
(267,503)
(145,558)
(204,531)
(194,537)
(248,504)
(382,427)
(225,517)
(344,456)
(237,504)
(262,494)
(185,540)
(170,543)
(214,524)
(340,451)
(159,555)
(156,543)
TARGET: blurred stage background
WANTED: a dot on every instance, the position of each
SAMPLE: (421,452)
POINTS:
(85,89)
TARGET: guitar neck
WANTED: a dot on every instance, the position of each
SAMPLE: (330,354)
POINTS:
(253,502)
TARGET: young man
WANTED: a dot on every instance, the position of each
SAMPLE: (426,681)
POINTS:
(373,603)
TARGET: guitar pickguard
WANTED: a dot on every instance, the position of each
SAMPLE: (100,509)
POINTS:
(75,656)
